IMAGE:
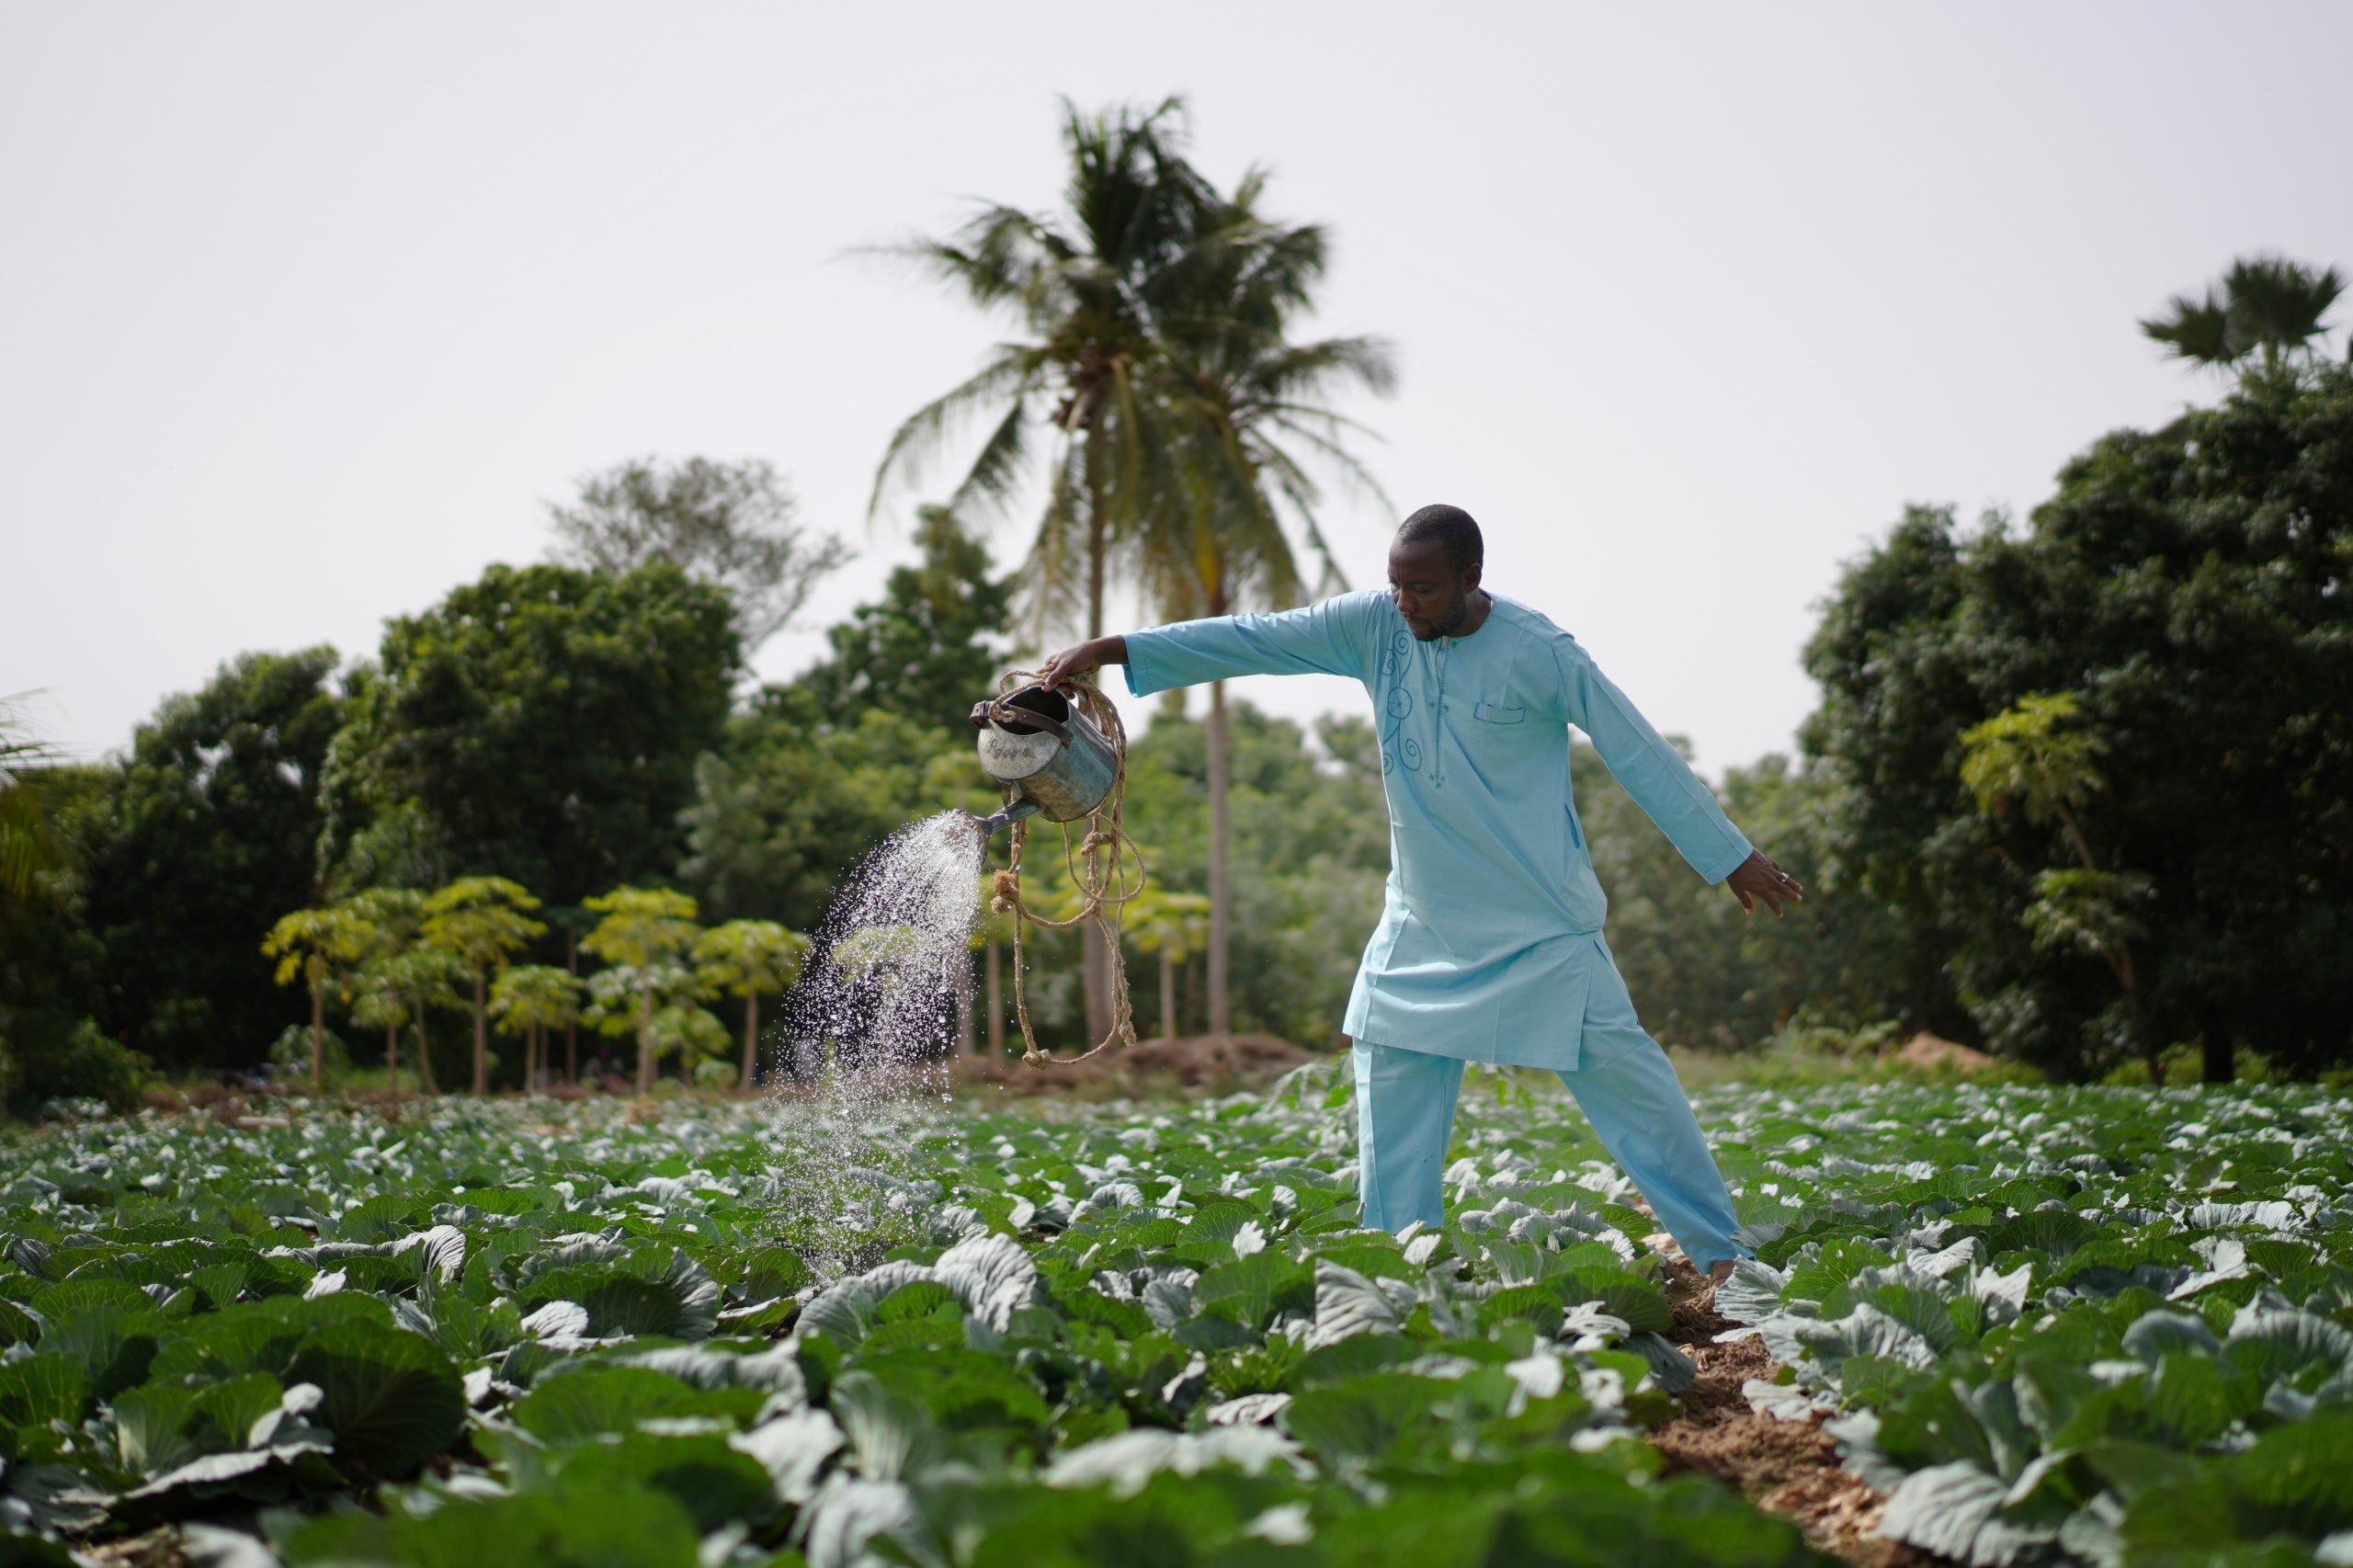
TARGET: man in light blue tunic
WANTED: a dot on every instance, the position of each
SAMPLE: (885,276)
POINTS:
(1490,947)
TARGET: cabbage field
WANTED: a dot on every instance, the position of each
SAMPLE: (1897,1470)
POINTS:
(2091,1325)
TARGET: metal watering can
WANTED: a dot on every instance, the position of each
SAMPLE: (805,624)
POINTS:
(1055,759)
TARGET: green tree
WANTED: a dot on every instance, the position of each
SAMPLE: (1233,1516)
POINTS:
(749,959)
(2268,307)
(392,919)
(541,724)
(529,999)
(928,649)
(792,801)
(206,836)
(30,842)
(813,772)
(50,966)
(2187,587)
(1172,927)
(732,525)
(646,934)
(409,981)
(2030,755)
(316,946)
(484,921)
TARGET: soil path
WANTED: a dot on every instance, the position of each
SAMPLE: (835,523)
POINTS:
(1786,1468)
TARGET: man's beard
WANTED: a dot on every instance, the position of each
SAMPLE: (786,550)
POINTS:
(1447,626)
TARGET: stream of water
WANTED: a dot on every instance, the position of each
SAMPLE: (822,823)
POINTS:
(863,1048)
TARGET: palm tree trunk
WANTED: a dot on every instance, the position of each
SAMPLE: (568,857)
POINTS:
(751,1040)
(1221,879)
(481,1036)
(1167,996)
(997,1004)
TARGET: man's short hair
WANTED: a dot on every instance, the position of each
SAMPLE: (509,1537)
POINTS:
(1448,526)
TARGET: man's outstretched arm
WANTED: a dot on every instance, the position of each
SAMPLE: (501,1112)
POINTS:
(1317,639)
(1669,794)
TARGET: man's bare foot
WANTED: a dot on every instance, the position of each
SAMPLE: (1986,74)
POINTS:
(1720,1270)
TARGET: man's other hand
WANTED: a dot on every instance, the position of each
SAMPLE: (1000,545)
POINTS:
(1757,877)
(1083,658)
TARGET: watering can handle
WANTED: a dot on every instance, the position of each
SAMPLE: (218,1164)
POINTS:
(995,711)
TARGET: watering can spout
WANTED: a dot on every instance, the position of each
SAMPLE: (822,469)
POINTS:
(997,822)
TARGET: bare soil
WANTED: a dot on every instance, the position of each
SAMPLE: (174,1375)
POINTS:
(1786,1468)
(1217,1063)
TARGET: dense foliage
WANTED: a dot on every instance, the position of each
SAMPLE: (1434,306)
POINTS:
(541,724)
(2093,1326)
(2107,1326)
(2186,591)
(592,1338)
(208,832)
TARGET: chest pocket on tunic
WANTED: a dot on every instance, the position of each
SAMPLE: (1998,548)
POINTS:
(1496,713)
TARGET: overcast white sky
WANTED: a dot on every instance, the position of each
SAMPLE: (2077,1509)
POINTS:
(307,310)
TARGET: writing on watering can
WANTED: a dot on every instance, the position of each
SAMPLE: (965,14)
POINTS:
(1052,759)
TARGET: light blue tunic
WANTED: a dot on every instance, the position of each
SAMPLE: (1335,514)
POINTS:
(1491,938)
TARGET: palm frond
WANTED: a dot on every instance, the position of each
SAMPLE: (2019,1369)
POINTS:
(1011,374)
(996,474)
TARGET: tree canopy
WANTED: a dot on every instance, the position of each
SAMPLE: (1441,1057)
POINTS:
(2184,592)
(732,525)
(539,724)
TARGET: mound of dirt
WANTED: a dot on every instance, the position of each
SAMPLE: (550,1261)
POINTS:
(1787,1467)
(1925,1050)
(1216,1063)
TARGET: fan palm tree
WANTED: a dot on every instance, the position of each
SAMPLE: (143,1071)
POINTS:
(1088,285)
(2268,306)
(1250,412)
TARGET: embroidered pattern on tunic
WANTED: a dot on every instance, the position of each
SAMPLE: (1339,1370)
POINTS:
(1395,745)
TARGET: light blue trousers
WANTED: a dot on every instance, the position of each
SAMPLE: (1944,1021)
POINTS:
(1624,1084)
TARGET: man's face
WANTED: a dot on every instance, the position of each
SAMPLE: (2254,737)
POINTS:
(1429,592)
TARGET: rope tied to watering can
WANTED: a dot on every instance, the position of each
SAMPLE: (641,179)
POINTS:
(1105,867)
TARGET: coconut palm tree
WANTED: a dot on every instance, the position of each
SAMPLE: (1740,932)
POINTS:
(1087,285)
(1250,412)
(485,921)
(2268,307)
